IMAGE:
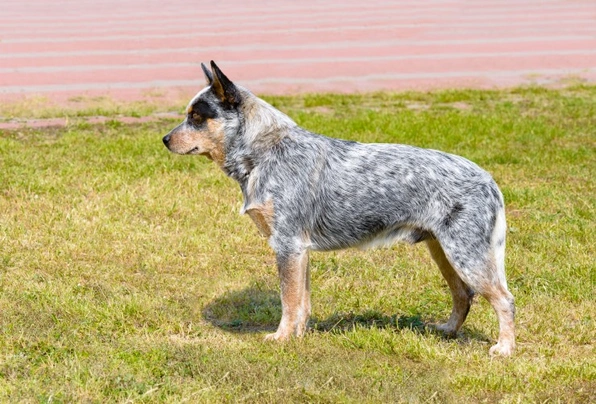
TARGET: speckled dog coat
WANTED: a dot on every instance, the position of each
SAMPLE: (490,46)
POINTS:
(305,191)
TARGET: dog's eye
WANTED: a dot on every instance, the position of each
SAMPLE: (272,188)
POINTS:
(196,117)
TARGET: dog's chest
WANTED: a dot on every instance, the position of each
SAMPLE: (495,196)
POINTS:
(262,216)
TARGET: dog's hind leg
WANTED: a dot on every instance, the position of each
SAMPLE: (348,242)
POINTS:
(461,293)
(480,264)
(496,292)
(503,304)
(295,295)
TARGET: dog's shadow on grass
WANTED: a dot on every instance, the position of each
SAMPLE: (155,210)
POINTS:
(256,309)
(249,310)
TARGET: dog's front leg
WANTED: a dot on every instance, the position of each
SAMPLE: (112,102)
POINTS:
(295,295)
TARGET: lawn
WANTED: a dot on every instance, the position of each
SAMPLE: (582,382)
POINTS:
(128,275)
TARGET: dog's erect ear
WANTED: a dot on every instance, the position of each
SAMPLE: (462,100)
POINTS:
(208,74)
(223,87)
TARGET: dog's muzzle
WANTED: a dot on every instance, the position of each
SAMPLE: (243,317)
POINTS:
(166,140)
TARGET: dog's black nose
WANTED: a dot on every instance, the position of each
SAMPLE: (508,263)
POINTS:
(166,139)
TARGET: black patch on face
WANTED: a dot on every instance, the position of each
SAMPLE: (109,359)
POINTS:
(200,112)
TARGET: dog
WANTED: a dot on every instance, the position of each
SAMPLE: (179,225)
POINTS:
(305,191)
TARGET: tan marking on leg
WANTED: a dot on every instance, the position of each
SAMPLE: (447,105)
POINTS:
(262,216)
(461,293)
(494,289)
(503,304)
(302,323)
(293,274)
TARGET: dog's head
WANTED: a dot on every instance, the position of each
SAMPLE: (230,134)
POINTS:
(209,115)
(228,124)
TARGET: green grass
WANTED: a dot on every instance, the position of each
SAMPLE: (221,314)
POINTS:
(127,275)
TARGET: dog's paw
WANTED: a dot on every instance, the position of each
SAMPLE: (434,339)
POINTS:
(277,336)
(447,329)
(501,349)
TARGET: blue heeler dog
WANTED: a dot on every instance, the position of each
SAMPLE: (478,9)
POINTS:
(308,192)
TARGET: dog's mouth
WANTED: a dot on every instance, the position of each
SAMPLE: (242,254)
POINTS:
(194,150)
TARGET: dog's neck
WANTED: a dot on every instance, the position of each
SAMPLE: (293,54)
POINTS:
(262,127)
(263,124)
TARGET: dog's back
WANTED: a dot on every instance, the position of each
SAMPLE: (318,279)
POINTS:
(349,194)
